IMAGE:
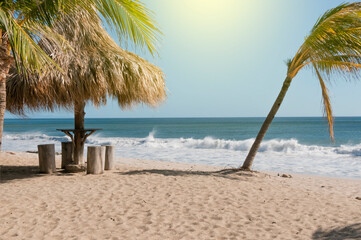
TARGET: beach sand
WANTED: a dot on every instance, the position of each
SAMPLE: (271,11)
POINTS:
(160,200)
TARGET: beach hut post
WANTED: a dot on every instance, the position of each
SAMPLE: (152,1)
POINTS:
(79,133)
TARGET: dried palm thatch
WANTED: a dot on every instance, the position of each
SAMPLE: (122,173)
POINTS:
(94,69)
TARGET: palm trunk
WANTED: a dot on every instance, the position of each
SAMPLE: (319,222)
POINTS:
(2,105)
(5,60)
(247,164)
(79,135)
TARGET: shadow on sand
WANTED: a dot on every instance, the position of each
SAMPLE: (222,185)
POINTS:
(342,233)
(227,173)
(10,173)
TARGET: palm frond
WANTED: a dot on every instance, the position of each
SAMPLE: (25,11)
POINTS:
(336,33)
(349,70)
(332,48)
(26,52)
(47,11)
(328,14)
(132,20)
(33,18)
(129,18)
(326,103)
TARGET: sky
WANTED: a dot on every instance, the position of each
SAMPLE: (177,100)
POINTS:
(226,58)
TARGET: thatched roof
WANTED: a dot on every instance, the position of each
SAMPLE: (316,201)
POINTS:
(96,69)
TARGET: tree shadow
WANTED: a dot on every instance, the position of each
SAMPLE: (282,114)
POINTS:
(10,173)
(231,174)
(342,233)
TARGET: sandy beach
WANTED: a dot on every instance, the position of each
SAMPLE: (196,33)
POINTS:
(143,199)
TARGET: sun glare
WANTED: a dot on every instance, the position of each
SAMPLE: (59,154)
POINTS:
(209,11)
(206,7)
(213,14)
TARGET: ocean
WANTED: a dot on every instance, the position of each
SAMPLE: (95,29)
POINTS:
(292,144)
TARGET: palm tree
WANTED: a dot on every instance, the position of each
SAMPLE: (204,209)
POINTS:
(24,22)
(96,69)
(332,47)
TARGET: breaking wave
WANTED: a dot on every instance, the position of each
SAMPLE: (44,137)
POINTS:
(281,155)
(285,146)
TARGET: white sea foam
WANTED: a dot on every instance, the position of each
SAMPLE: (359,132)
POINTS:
(283,155)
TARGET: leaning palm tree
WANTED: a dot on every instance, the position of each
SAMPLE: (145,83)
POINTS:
(332,47)
(24,22)
(96,70)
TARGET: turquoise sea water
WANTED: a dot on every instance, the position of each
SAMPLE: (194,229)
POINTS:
(299,145)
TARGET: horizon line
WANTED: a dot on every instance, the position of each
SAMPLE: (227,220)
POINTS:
(28,118)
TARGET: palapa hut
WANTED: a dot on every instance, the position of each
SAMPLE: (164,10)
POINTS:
(95,69)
